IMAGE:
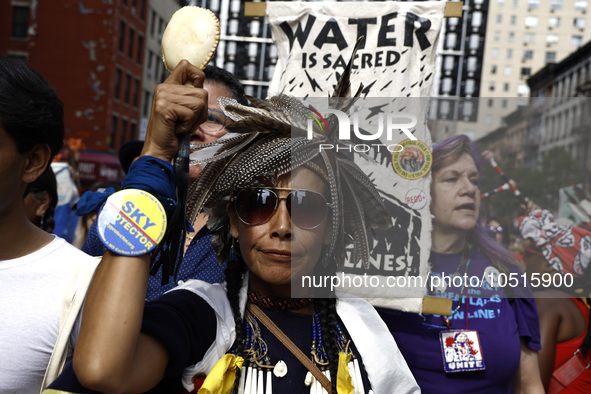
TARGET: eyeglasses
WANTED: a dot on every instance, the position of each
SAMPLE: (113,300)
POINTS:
(216,121)
(257,206)
(495,229)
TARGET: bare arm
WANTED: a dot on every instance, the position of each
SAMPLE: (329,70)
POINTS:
(112,355)
(527,379)
(549,324)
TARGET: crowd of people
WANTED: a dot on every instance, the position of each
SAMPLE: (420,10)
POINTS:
(73,323)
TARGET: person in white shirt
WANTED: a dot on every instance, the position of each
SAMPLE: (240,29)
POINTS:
(36,267)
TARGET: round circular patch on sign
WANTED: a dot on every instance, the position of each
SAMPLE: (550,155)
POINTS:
(416,198)
(491,275)
(413,161)
(132,222)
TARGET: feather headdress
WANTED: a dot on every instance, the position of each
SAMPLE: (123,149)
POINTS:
(271,141)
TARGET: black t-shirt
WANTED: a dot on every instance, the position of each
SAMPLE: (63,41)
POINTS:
(186,326)
(180,320)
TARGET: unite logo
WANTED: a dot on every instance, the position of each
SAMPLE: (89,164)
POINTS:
(387,124)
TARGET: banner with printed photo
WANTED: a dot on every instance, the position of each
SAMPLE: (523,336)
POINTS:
(395,63)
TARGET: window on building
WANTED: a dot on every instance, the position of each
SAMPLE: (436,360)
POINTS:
(160,26)
(123,135)
(117,83)
(581,5)
(132,131)
(450,22)
(579,23)
(448,63)
(143,10)
(576,41)
(467,108)
(114,122)
(493,69)
(533,4)
(214,5)
(511,36)
(157,67)
(147,102)
(474,42)
(136,92)
(233,26)
(513,19)
(509,53)
(508,71)
(528,54)
(20,21)
(525,71)
(515,3)
(127,88)
(529,38)
(495,53)
(491,86)
(472,64)
(140,48)
(506,87)
(470,85)
(501,3)
(152,23)
(446,85)
(553,22)
(121,36)
(451,40)
(552,39)
(497,35)
(133,6)
(476,19)
(490,102)
(444,107)
(550,56)
(130,43)
(555,4)
(235,6)
(500,18)
(531,21)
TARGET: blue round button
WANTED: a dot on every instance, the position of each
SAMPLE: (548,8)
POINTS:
(132,222)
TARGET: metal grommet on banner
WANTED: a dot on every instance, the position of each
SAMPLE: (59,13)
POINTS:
(132,222)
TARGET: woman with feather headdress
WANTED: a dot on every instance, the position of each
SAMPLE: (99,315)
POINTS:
(280,207)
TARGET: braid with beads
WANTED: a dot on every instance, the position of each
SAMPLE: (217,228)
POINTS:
(234,272)
(328,322)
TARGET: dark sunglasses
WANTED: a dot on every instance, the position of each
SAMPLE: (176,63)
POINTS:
(257,206)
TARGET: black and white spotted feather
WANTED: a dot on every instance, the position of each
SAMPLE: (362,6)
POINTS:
(276,145)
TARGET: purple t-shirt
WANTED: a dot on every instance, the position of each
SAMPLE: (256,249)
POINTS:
(499,321)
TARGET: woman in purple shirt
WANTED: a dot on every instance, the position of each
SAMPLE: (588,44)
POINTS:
(489,344)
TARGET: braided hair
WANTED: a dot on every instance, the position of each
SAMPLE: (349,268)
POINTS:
(270,141)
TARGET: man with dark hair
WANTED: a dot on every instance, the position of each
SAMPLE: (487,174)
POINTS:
(199,261)
(36,268)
